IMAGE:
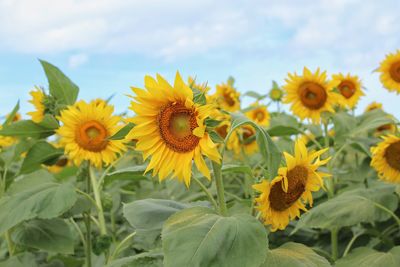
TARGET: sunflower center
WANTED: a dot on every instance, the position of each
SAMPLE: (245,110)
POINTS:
(395,71)
(222,130)
(92,136)
(385,127)
(229,99)
(347,89)
(176,124)
(259,115)
(62,162)
(281,200)
(312,95)
(392,155)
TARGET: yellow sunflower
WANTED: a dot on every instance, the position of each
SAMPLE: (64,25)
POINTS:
(390,72)
(250,145)
(276,94)
(233,143)
(310,94)
(227,97)
(386,159)
(6,141)
(85,132)
(259,114)
(61,163)
(202,87)
(282,199)
(17,117)
(37,101)
(350,89)
(373,106)
(170,127)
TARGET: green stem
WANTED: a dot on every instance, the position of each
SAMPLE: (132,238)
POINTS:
(76,226)
(97,197)
(353,239)
(88,243)
(206,191)
(220,188)
(10,243)
(334,243)
(120,245)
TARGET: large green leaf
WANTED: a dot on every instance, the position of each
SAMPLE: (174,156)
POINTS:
(200,237)
(21,260)
(146,259)
(44,201)
(26,128)
(294,255)
(60,86)
(52,235)
(351,208)
(281,130)
(369,257)
(130,173)
(40,153)
(150,214)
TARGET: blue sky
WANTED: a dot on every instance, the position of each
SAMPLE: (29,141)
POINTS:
(106,46)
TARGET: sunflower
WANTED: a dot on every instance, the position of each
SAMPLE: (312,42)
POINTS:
(202,87)
(233,143)
(61,163)
(350,89)
(38,97)
(227,97)
(390,72)
(373,106)
(386,159)
(6,141)
(170,127)
(282,199)
(259,114)
(17,117)
(250,145)
(85,132)
(310,94)
(276,93)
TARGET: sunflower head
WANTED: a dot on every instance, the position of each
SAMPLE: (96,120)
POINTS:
(310,94)
(171,129)
(373,106)
(282,199)
(61,163)
(259,114)
(233,143)
(390,72)
(227,97)
(85,132)
(17,117)
(6,141)
(276,93)
(38,101)
(249,140)
(350,89)
(386,159)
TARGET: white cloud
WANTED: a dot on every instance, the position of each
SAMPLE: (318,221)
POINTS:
(77,60)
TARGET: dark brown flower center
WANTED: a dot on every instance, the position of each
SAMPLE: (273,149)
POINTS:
(222,130)
(92,136)
(395,71)
(312,95)
(385,127)
(176,124)
(347,89)
(228,99)
(62,162)
(297,179)
(392,155)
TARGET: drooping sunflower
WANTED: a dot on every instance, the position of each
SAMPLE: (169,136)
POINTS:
(259,114)
(86,130)
(233,143)
(227,97)
(373,106)
(390,72)
(350,89)
(310,94)
(386,159)
(285,196)
(38,97)
(250,145)
(170,128)
(61,163)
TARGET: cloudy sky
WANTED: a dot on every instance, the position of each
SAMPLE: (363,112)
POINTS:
(105,46)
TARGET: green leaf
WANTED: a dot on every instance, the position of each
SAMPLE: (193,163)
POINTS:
(200,237)
(146,259)
(211,122)
(122,132)
(150,214)
(29,181)
(49,122)
(282,130)
(52,235)
(235,168)
(40,153)
(26,128)
(60,86)
(215,137)
(11,116)
(44,201)
(294,255)
(369,257)
(255,95)
(351,207)
(270,152)
(21,260)
(130,173)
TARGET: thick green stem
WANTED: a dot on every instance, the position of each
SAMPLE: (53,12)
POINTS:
(334,243)
(97,197)
(88,243)
(220,188)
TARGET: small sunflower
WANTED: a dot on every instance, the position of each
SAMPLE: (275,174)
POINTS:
(85,132)
(282,199)
(390,72)
(6,141)
(250,145)
(310,94)
(373,106)
(61,163)
(276,93)
(170,127)
(386,159)
(259,114)
(202,87)
(38,98)
(233,143)
(350,89)
(227,97)
(17,117)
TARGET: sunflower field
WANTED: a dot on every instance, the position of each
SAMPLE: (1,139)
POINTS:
(190,177)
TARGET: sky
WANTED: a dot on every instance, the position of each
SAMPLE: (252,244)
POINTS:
(106,46)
